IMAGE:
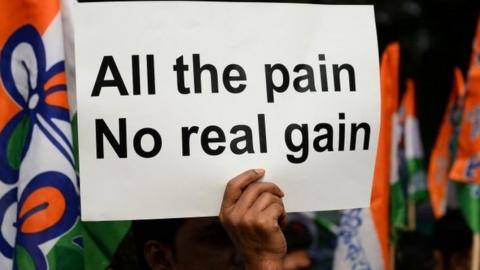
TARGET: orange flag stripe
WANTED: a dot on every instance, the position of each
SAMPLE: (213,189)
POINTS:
(389,74)
(408,100)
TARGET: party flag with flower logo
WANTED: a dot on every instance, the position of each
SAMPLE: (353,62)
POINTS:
(466,167)
(39,202)
(444,150)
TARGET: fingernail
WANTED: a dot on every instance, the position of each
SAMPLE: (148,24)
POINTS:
(259,171)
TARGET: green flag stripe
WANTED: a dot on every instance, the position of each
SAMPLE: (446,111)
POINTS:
(469,199)
(17,143)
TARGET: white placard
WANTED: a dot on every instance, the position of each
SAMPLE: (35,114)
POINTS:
(314,132)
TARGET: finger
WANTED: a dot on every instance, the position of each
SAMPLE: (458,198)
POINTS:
(235,186)
(264,200)
(283,219)
(275,213)
(253,192)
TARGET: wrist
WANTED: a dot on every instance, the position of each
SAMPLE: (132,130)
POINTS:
(264,263)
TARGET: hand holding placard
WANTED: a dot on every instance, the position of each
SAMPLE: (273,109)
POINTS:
(253,213)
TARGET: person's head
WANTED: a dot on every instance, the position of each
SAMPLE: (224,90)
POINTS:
(299,240)
(453,242)
(192,243)
(414,251)
(202,243)
(125,257)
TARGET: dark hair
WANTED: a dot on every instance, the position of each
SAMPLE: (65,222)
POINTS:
(125,256)
(414,251)
(452,235)
(162,230)
(298,236)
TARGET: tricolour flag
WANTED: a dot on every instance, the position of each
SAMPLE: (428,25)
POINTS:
(416,179)
(444,150)
(39,202)
(412,171)
(398,206)
(363,235)
(409,196)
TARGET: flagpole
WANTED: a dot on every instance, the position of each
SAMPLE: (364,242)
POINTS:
(476,252)
(392,257)
(411,215)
